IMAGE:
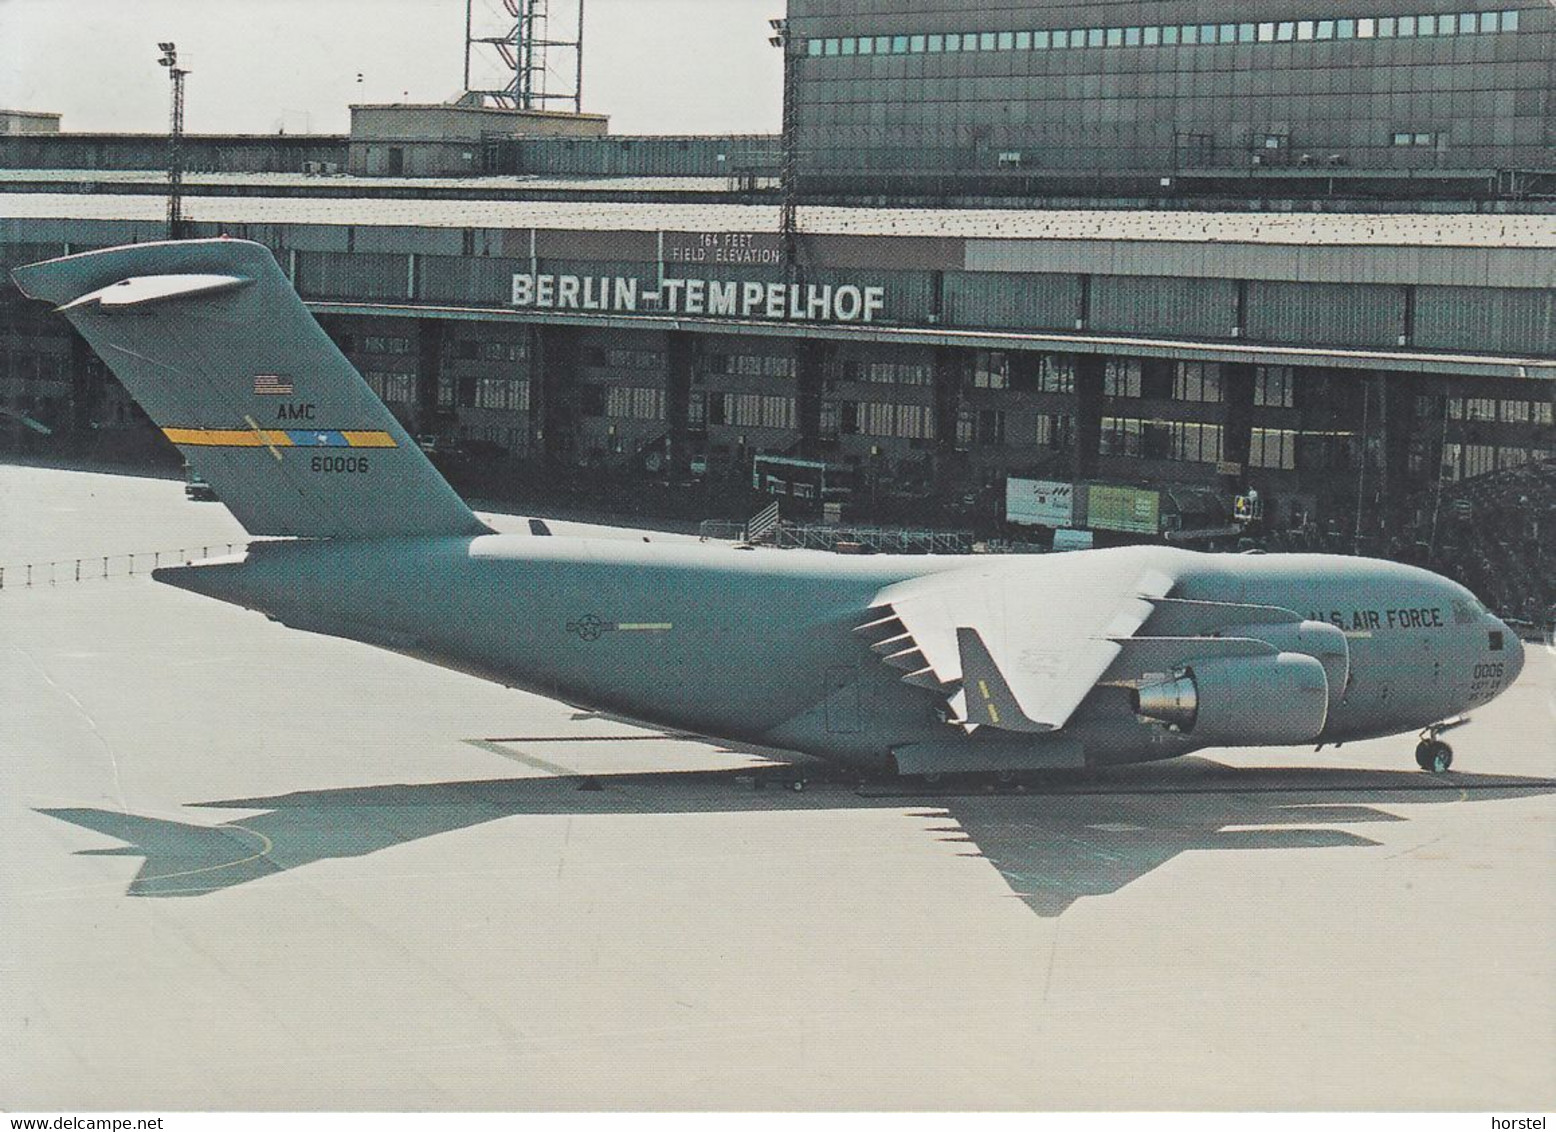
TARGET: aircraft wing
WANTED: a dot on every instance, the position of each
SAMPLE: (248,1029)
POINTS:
(1011,647)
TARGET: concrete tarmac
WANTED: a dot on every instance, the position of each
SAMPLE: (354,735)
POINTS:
(243,867)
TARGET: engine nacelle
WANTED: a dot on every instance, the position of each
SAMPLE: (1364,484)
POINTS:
(1242,701)
(1318,639)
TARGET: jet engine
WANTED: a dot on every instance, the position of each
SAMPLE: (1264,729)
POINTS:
(1318,639)
(1247,701)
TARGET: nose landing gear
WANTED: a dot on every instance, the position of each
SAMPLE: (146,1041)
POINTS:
(1432,754)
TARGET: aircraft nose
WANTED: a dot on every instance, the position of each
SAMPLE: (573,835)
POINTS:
(1514,650)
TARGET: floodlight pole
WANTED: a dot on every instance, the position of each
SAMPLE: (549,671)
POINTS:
(788,179)
(175,150)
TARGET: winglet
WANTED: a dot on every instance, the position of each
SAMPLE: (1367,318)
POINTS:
(990,701)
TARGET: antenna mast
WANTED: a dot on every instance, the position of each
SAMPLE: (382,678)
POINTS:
(520,55)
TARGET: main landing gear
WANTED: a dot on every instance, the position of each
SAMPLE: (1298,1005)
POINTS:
(1432,754)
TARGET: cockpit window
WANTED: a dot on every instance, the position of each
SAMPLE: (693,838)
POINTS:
(1494,639)
(1467,611)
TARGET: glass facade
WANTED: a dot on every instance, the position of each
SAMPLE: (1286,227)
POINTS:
(1273,87)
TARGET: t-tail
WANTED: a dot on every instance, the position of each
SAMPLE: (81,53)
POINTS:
(212,341)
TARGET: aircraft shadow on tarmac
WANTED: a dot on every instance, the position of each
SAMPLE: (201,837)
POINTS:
(1059,841)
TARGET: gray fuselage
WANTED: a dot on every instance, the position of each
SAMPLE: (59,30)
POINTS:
(759,646)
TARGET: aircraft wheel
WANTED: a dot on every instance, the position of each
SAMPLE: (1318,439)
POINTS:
(1434,755)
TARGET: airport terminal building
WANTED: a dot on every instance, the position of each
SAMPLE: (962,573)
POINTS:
(1340,356)
(916,89)
(1291,353)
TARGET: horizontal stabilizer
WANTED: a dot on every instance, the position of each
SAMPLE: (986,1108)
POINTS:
(144,289)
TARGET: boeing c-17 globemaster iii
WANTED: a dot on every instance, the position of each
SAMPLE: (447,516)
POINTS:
(921,665)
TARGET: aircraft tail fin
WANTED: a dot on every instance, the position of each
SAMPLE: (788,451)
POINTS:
(212,341)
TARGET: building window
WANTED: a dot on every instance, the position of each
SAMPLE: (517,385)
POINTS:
(1121,377)
(1274,31)
(829,419)
(1190,442)
(1479,459)
(1121,436)
(749,365)
(392,388)
(1055,430)
(1480,409)
(502,393)
(630,403)
(1272,448)
(991,370)
(1273,386)
(1197,381)
(912,422)
(752,410)
(1056,373)
(503,352)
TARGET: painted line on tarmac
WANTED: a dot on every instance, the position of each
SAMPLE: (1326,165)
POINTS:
(497,748)
(592,738)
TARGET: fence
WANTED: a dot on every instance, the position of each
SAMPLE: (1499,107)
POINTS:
(879,540)
(97,567)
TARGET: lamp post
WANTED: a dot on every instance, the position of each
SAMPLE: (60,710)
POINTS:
(788,213)
(175,153)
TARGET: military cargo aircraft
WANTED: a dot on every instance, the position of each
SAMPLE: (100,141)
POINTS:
(918,665)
